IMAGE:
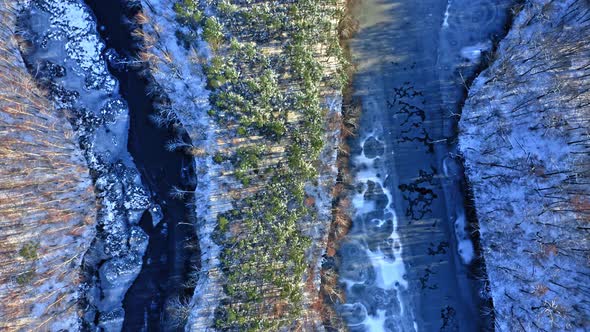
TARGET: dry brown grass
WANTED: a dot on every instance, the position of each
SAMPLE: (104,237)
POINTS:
(141,18)
(581,204)
(348,25)
(330,290)
(47,204)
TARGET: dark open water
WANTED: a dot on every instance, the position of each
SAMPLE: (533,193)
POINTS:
(166,262)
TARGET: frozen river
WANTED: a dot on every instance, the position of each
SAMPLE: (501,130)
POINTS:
(410,260)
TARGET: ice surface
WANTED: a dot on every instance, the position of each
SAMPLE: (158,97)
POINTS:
(67,51)
(466,251)
(375,324)
(465,245)
(413,59)
(388,270)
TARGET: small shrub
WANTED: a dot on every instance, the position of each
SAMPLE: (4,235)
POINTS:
(25,277)
(276,129)
(179,310)
(185,39)
(242,177)
(212,32)
(187,13)
(227,8)
(242,131)
(29,251)
(218,158)
(223,223)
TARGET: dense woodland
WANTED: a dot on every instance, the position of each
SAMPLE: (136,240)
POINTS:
(272,66)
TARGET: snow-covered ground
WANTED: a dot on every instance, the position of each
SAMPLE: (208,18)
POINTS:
(47,206)
(66,56)
(525,139)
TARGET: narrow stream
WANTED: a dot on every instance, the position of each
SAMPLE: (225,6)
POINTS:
(167,262)
(409,262)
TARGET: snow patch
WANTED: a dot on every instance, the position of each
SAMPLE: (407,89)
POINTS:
(384,258)
(473,53)
(447,13)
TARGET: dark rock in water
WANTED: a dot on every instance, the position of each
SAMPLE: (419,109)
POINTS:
(62,95)
(50,70)
(136,198)
(116,238)
(373,148)
(112,321)
(89,123)
(354,313)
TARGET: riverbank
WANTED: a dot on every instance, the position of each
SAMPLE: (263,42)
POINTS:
(331,295)
(524,139)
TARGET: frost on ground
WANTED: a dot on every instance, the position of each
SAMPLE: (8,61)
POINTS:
(66,57)
(526,141)
(47,204)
